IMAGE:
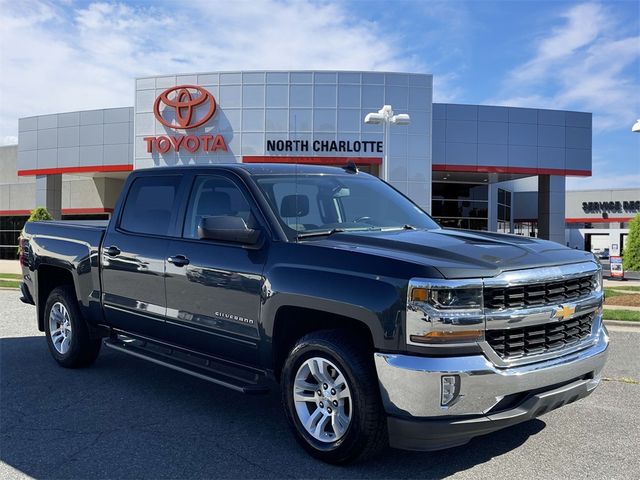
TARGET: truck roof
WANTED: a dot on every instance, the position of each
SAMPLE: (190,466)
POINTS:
(259,168)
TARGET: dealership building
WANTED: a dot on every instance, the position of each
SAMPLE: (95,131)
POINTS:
(470,166)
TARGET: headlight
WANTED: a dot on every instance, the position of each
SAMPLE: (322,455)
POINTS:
(597,280)
(458,298)
(444,312)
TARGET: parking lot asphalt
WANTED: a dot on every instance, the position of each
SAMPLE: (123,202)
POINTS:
(127,418)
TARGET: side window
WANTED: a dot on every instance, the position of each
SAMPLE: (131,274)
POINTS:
(212,197)
(149,204)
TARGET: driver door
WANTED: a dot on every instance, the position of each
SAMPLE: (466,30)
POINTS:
(214,288)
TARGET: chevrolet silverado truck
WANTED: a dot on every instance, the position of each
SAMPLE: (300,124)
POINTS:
(380,327)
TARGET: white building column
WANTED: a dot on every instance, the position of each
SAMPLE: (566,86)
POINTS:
(49,194)
(551,208)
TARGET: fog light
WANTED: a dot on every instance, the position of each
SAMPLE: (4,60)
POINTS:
(450,389)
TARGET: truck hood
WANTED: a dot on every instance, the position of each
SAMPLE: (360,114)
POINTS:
(458,253)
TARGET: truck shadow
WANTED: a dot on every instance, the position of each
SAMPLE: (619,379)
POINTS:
(127,418)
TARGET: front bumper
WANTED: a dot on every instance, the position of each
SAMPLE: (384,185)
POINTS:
(490,398)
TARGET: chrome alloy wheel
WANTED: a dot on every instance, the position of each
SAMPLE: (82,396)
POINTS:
(60,328)
(322,399)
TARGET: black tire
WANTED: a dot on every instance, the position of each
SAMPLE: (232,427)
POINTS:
(366,434)
(83,350)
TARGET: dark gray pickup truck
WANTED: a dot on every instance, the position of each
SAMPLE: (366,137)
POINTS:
(381,327)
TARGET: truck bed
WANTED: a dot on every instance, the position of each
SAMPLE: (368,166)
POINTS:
(72,246)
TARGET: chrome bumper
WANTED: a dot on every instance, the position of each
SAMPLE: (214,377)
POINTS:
(410,385)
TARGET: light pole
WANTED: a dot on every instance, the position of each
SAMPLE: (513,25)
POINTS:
(386,117)
(636,127)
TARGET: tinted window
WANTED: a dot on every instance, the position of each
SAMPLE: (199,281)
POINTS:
(213,197)
(460,191)
(149,205)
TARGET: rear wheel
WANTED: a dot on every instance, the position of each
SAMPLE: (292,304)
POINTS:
(332,399)
(67,334)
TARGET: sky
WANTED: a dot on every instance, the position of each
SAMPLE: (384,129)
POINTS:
(69,55)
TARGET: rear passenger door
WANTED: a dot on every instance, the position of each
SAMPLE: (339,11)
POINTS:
(134,253)
(214,292)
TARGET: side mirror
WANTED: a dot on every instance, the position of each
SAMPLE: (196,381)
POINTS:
(227,229)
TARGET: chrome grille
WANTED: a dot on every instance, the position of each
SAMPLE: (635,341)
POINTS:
(538,339)
(538,294)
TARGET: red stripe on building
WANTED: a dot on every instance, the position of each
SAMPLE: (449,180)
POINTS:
(65,211)
(512,170)
(66,170)
(312,160)
(599,220)
(6,213)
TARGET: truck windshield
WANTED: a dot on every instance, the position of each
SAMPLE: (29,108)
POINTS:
(323,204)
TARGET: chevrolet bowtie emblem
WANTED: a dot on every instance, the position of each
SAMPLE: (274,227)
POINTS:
(563,311)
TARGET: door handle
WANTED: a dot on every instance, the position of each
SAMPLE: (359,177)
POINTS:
(178,260)
(112,251)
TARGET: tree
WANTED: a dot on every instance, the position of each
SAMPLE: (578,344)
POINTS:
(631,253)
(38,214)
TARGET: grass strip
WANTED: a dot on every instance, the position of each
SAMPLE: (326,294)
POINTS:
(11,276)
(625,315)
(9,283)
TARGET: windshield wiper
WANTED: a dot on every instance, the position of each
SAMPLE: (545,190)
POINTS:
(393,229)
(321,233)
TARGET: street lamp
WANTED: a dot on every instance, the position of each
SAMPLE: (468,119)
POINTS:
(386,117)
(636,127)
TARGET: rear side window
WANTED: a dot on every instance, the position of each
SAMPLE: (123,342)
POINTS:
(149,205)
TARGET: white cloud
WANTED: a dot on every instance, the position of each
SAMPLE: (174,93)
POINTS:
(589,62)
(8,140)
(603,182)
(605,177)
(56,57)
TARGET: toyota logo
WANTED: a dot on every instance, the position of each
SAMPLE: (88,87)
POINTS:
(186,106)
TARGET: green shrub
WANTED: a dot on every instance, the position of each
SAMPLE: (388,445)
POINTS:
(631,253)
(38,214)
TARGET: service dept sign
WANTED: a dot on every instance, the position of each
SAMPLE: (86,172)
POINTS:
(185,107)
(626,206)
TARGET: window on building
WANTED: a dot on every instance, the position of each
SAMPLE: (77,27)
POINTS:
(526,228)
(461,205)
(10,228)
(504,211)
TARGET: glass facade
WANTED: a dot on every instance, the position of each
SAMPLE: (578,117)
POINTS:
(526,228)
(257,109)
(10,228)
(461,205)
(504,211)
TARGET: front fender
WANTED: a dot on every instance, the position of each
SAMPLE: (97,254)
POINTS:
(376,301)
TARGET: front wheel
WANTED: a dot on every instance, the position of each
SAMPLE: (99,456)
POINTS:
(67,334)
(332,399)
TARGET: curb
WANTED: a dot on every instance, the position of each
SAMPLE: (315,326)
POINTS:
(622,323)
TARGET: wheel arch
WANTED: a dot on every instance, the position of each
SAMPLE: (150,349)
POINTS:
(49,278)
(293,322)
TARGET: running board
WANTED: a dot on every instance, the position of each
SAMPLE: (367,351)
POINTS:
(205,368)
